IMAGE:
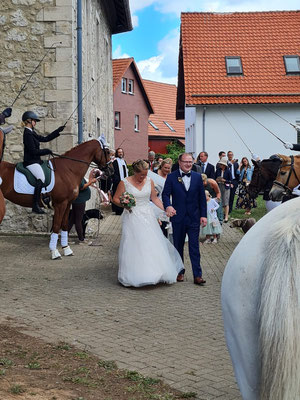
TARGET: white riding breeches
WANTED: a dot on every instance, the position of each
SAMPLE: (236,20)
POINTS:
(37,171)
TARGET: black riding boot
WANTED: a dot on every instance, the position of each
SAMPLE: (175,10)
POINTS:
(36,198)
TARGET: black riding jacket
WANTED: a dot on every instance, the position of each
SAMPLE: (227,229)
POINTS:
(32,151)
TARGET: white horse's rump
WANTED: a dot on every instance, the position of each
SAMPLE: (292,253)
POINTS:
(261,306)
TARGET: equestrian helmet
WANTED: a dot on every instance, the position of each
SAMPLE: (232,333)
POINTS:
(30,115)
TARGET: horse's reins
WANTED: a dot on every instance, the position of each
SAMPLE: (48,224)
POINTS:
(82,161)
(291,170)
(251,152)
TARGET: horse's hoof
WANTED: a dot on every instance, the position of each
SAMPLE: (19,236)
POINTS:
(67,251)
(55,254)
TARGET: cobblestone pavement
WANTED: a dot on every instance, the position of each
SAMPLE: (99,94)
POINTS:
(171,332)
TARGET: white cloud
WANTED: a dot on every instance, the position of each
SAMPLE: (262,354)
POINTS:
(163,68)
(135,21)
(178,6)
(151,69)
(118,53)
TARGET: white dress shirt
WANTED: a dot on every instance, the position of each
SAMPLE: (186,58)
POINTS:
(186,180)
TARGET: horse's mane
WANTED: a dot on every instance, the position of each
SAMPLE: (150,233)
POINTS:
(279,311)
(287,158)
(75,148)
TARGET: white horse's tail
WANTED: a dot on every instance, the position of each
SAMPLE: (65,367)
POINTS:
(279,312)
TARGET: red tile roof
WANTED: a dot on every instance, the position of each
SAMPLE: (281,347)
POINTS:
(120,66)
(261,39)
(163,99)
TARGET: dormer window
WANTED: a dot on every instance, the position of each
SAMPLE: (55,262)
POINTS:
(130,86)
(153,125)
(292,64)
(169,126)
(234,65)
(124,85)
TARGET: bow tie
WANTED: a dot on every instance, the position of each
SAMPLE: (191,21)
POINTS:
(188,174)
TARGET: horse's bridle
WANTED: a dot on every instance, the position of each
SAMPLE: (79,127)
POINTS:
(284,186)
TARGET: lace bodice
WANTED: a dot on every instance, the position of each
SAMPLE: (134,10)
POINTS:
(142,196)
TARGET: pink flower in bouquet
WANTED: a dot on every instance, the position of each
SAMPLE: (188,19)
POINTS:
(127,200)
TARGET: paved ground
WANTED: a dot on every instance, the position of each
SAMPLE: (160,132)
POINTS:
(172,332)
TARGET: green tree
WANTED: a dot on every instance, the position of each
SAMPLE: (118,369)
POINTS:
(174,150)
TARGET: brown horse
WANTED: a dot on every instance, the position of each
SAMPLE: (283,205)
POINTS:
(2,201)
(288,177)
(69,170)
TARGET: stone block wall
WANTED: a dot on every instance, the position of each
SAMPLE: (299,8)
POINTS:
(28,30)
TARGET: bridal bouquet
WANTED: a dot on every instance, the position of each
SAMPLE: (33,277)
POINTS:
(127,200)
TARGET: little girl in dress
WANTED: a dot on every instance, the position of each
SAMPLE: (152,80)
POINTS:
(213,227)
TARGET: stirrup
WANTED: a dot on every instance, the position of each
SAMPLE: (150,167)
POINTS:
(37,210)
(67,251)
(55,254)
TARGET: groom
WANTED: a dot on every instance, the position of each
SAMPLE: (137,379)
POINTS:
(187,211)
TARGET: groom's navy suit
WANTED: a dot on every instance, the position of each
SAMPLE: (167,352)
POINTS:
(190,206)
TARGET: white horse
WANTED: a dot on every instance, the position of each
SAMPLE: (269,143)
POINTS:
(261,306)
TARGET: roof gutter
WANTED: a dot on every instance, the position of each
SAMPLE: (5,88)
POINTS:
(245,94)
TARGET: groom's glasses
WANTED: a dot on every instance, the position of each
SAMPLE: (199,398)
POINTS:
(187,162)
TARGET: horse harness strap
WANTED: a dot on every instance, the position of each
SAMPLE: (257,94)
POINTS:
(291,170)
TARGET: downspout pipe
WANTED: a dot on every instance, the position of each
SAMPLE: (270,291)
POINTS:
(203,128)
(79,71)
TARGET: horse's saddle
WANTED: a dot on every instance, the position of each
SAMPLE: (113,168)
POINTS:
(31,178)
(24,181)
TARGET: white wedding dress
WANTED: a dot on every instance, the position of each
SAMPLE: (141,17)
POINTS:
(146,256)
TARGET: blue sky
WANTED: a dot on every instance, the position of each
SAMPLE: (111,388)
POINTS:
(154,40)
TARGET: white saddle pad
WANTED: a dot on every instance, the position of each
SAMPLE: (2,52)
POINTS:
(0,181)
(21,185)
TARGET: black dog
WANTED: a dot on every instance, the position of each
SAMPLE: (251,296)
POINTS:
(89,214)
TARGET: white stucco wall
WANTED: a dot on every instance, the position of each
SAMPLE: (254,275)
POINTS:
(219,135)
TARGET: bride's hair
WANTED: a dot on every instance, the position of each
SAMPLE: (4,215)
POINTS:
(139,166)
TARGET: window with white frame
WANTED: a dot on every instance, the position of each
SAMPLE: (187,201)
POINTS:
(117,120)
(136,123)
(292,64)
(130,86)
(234,65)
(124,85)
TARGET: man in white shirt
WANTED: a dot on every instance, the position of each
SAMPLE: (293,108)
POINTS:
(233,166)
(120,172)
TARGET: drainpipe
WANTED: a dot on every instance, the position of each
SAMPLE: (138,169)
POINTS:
(79,70)
(203,128)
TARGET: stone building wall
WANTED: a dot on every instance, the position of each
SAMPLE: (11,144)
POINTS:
(28,30)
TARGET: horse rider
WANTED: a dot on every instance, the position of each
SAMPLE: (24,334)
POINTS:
(292,146)
(33,153)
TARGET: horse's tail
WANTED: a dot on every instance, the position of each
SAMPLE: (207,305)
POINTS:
(279,312)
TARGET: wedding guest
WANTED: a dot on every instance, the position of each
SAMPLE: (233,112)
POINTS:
(78,208)
(223,178)
(213,228)
(158,161)
(245,174)
(206,168)
(151,160)
(221,154)
(146,257)
(120,172)
(184,200)
(233,167)
(163,171)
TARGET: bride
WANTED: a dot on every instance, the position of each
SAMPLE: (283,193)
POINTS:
(146,256)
